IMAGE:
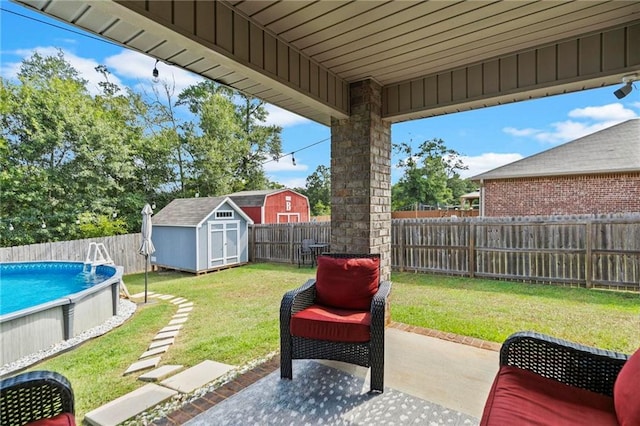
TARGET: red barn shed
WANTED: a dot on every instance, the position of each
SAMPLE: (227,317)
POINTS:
(273,205)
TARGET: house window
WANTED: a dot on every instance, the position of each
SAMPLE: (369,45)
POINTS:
(224,214)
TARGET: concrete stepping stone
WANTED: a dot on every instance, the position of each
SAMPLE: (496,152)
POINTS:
(143,365)
(166,335)
(185,315)
(160,373)
(141,295)
(170,328)
(185,305)
(155,351)
(166,297)
(179,300)
(185,310)
(197,376)
(129,405)
(178,321)
(164,342)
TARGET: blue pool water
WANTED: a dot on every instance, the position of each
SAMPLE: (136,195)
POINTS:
(27,284)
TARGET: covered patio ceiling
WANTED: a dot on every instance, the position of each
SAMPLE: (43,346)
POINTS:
(430,57)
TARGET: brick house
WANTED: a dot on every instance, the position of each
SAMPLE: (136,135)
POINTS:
(596,174)
(273,205)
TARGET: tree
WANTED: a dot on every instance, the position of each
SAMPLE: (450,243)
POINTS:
(66,152)
(229,141)
(426,174)
(318,191)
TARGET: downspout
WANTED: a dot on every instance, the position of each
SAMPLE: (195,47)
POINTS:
(482,197)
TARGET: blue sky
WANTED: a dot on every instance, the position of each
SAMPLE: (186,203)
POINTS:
(485,138)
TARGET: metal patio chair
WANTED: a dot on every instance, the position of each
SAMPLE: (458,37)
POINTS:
(305,252)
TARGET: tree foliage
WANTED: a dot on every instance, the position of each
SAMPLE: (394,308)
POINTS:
(75,164)
(429,175)
(318,191)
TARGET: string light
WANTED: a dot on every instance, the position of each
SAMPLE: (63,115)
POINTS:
(44,225)
(293,152)
(11,227)
(155,72)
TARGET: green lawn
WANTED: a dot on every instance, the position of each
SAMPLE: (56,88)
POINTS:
(235,320)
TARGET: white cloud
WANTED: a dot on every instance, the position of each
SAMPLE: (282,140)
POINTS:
(520,132)
(285,164)
(292,182)
(137,66)
(84,66)
(485,162)
(283,118)
(584,122)
(609,113)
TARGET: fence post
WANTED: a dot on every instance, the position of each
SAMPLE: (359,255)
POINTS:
(588,265)
(400,239)
(472,249)
(291,251)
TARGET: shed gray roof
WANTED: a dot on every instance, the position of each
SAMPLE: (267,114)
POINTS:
(253,198)
(189,211)
(615,149)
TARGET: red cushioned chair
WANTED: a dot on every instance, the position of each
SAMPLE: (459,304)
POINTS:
(37,398)
(338,316)
(548,381)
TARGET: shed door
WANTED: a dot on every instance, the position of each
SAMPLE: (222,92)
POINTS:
(224,243)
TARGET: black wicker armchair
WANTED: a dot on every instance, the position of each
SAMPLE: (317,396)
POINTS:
(545,380)
(36,395)
(366,350)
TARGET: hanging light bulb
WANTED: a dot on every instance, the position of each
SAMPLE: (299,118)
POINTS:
(115,215)
(11,227)
(155,72)
(77,221)
(293,159)
(153,206)
(44,225)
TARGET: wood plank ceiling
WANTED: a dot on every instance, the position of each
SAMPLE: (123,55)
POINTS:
(411,48)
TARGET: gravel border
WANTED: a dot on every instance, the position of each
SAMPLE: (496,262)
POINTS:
(126,308)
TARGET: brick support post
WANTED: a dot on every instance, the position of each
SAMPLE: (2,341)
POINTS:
(361,177)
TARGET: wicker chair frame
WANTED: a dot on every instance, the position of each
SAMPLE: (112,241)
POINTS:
(365,354)
(571,363)
(33,396)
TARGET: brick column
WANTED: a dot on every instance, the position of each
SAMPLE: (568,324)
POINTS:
(361,177)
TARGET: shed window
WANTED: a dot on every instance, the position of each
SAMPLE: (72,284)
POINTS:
(224,214)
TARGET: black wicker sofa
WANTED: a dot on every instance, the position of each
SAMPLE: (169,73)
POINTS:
(36,398)
(547,381)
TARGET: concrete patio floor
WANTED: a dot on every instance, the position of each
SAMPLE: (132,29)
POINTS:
(452,371)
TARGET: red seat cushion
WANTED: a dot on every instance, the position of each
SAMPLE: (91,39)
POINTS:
(520,397)
(333,324)
(347,283)
(64,419)
(626,391)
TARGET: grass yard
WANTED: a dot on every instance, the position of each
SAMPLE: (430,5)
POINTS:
(235,320)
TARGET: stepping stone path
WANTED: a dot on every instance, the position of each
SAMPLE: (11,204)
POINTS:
(152,394)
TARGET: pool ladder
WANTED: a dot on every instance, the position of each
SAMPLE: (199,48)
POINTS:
(96,255)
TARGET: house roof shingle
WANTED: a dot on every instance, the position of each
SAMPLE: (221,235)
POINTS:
(615,149)
(187,211)
(253,198)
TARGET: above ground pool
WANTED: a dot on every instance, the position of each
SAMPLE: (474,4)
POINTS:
(43,303)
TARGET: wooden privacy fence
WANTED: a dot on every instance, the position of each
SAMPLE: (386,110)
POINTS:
(602,252)
(123,250)
(281,242)
(591,251)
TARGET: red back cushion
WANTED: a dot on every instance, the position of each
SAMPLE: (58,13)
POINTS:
(347,283)
(626,390)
